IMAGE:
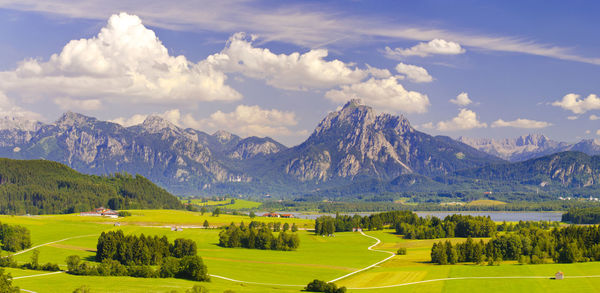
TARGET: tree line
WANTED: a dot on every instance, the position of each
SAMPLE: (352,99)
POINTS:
(46,187)
(258,236)
(452,226)
(409,224)
(590,215)
(141,250)
(561,245)
(14,237)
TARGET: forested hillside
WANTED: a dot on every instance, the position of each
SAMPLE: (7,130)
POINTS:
(46,187)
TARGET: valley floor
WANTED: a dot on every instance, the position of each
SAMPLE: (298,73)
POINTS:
(246,270)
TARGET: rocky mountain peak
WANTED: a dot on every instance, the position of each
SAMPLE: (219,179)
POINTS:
(531,139)
(154,124)
(223,136)
(70,119)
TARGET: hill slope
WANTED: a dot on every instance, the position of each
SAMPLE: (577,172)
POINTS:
(45,187)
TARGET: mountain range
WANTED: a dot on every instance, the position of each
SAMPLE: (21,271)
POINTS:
(529,147)
(351,151)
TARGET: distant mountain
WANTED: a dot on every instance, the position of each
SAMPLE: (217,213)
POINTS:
(355,143)
(528,147)
(566,169)
(181,160)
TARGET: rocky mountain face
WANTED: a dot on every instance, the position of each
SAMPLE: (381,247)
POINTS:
(182,160)
(566,169)
(520,148)
(355,142)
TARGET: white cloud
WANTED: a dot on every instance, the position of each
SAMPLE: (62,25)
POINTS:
(292,72)
(594,117)
(414,73)
(125,61)
(244,121)
(433,47)
(521,123)
(462,99)
(588,131)
(385,94)
(8,108)
(299,24)
(465,120)
(73,104)
(598,132)
(577,105)
(573,117)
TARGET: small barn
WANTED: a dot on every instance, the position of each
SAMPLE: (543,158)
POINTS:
(559,275)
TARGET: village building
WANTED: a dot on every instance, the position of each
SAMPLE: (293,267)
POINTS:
(559,275)
(271,215)
(101,212)
(287,215)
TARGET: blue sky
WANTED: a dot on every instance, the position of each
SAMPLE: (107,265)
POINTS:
(272,68)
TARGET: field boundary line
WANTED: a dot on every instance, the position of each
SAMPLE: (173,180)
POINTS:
(369,248)
(38,275)
(255,283)
(25,290)
(52,242)
(466,278)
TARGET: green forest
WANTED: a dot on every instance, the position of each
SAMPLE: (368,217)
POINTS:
(46,187)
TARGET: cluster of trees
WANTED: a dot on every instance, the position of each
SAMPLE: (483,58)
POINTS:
(141,250)
(535,245)
(326,225)
(511,227)
(590,215)
(6,283)
(322,286)
(452,226)
(8,261)
(14,237)
(258,236)
(188,267)
(46,187)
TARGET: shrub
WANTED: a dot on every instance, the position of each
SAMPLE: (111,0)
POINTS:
(401,251)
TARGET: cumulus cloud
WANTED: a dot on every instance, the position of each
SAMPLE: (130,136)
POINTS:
(594,117)
(73,104)
(295,71)
(383,94)
(423,49)
(465,120)
(8,108)
(125,61)
(253,120)
(598,132)
(462,99)
(521,123)
(577,105)
(414,73)
(244,121)
(573,117)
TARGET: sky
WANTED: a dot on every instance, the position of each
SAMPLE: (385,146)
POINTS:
(496,69)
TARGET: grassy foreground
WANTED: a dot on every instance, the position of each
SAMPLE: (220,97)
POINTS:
(324,258)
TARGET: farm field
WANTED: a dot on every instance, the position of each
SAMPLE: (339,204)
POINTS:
(318,257)
(238,204)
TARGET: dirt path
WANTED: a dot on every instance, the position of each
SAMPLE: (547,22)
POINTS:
(61,240)
(366,268)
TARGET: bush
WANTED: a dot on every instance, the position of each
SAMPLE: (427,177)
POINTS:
(401,251)
(124,214)
(6,283)
(193,268)
(82,289)
(197,289)
(322,286)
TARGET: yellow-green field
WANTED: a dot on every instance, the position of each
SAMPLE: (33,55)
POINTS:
(324,258)
(485,202)
(238,204)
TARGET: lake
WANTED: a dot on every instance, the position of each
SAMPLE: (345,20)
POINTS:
(495,216)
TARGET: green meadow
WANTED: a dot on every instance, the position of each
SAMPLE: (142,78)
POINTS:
(318,257)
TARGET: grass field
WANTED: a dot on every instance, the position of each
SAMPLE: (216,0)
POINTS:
(324,258)
(485,202)
(238,204)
